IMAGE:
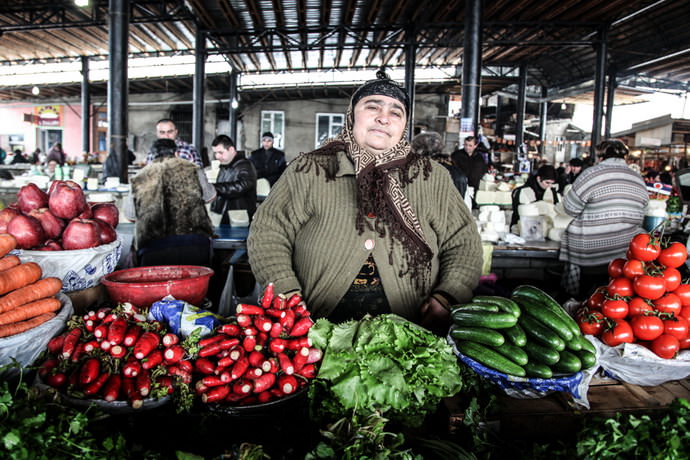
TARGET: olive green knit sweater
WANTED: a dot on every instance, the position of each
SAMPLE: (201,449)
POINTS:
(303,237)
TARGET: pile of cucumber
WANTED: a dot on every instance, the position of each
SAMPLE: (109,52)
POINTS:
(528,335)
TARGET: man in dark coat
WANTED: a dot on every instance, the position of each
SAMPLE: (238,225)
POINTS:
(268,161)
(236,181)
(471,162)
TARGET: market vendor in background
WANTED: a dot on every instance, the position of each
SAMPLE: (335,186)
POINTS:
(537,188)
(607,202)
(471,162)
(363,225)
(572,170)
(236,181)
(167,202)
(268,160)
(430,144)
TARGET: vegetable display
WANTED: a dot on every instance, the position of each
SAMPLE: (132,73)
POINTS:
(528,335)
(116,354)
(645,301)
(265,354)
(383,364)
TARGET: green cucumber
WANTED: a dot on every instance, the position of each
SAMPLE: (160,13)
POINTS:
(540,371)
(545,316)
(586,344)
(490,358)
(588,359)
(549,302)
(488,319)
(516,335)
(503,303)
(515,354)
(540,333)
(574,345)
(541,354)
(568,363)
(474,307)
(481,335)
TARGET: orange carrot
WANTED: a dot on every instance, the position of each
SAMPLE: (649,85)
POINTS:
(7,243)
(19,276)
(30,310)
(9,261)
(16,328)
(46,287)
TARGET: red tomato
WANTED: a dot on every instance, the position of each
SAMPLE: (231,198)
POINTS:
(677,327)
(616,268)
(595,301)
(684,343)
(665,346)
(673,256)
(683,291)
(633,268)
(644,248)
(637,306)
(649,287)
(620,333)
(672,278)
(615,309)
(591,323)
(629,255)
(620,286)
(647,327)
(670,303)
(685,313)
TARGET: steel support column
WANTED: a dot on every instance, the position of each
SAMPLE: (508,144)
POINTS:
(599,87)
(410,58)
(610,96)
(472,62)
(232,109)
(85,107)
(118,16)
(499,119)
(520,109)
(198,90)
(543,109)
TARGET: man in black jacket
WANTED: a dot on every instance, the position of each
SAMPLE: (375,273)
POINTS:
(268,161)
(471,162)
(236,181)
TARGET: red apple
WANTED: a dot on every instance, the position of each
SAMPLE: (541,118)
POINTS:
(6,215)
(27,230)
(86,214)
(107,212)
(106,232)
(81,234)
(67,200)
(31,197)
(52,226)
(54,184)
(50,245)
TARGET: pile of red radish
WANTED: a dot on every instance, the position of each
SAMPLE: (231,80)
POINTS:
(114,355)
(264,355)
(645,301)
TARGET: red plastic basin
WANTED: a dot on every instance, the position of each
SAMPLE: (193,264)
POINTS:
(142,286)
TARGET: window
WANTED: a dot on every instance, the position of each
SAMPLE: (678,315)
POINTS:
(327,125)
(274,122)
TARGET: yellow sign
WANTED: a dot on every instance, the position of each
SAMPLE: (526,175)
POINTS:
(49,115)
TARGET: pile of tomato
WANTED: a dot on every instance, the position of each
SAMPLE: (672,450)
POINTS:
(645,302)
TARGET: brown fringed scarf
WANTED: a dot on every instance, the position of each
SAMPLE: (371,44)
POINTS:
(381,180)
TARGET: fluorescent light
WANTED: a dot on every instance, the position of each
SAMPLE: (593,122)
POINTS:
(81,2)
(35,90)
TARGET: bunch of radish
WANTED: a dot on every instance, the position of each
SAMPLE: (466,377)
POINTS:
(264,355)
(116,354)
(645,302)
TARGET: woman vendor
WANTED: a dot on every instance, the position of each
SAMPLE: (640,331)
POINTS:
(537,188)
(363,225)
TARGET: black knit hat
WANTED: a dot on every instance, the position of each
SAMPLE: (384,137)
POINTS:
(383,86)
(267,134)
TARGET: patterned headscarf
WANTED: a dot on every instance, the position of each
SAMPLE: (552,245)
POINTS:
(381,179)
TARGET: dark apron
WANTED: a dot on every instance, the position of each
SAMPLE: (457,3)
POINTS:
(365,296)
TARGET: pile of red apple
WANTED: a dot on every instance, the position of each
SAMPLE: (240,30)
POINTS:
(60,219)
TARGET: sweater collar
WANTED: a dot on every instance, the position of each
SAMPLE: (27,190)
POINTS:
(345,165)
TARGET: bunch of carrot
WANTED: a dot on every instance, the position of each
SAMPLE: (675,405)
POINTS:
(116,354)
(26,300)
(264,355)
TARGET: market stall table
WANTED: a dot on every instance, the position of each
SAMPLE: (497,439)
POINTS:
(535,260)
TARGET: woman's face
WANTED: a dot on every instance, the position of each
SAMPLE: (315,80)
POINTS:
(545,184)
(379,123)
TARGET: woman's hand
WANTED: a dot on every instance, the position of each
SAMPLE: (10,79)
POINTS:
(435,317)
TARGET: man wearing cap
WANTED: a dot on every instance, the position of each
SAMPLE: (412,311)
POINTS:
(268,161)
(166,129)
(572,170)
(363,225)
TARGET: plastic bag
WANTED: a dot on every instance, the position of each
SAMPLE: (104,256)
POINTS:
(183,318)
(26,347)
(632,363)
(78,269)
(576,384)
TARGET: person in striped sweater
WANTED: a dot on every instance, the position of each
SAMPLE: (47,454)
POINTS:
(607,203)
